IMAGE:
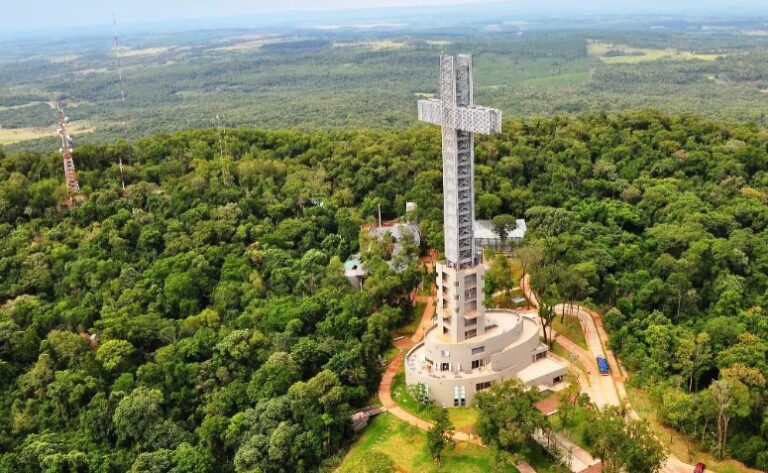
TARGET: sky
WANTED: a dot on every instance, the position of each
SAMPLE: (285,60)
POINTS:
(35,15)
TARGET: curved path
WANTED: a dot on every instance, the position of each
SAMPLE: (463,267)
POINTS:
(597,340)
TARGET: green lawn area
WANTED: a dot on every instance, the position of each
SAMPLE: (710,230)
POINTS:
(405,445)
(505,301)
(559,350)
(675,441)
(577,426)
(406,448)
(516,268)
(413,323)
(570,328)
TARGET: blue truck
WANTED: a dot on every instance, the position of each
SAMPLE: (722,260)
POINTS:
(602,365)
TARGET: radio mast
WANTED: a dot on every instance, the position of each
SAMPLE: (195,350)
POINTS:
(122,96)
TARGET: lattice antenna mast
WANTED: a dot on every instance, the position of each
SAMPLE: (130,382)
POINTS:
(220,123)
(122,95)
(70,174)
(221,138)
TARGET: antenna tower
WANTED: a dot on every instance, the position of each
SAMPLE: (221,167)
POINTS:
(122,96)
(70,174)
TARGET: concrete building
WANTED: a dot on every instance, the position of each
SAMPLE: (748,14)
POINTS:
(469,347)
(354,267)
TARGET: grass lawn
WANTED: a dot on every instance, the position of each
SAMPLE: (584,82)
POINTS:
(675,441)
(570,328)
(577,426)
(559,350)
(405,445)
(413,324)
(505,301)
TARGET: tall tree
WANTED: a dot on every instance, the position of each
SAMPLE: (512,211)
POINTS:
(508,417)
(623,443)
(692,356)
(440,436)
(733,400)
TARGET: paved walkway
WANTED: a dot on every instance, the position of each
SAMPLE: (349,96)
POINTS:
(601,390)
(597,340)
(426,317)
(577,458)
(603,387)
(524,467)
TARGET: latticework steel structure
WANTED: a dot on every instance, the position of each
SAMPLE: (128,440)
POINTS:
(70,174)
(460,276)
(459,118)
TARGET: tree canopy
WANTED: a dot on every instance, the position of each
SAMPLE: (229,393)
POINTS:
(211,296)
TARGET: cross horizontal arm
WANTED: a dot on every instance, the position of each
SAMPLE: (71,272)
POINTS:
(473,119)
(430,111)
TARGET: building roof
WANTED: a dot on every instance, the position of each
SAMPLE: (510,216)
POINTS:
(484,230)
(397,231)
(539,369)
(353,262)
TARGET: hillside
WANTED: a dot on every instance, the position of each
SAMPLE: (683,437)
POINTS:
(202,321)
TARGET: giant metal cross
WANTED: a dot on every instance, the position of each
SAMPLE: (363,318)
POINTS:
(459,118)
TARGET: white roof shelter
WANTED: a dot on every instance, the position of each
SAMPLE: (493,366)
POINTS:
(484,230)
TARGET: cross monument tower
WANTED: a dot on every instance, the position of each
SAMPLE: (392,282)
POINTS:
(461,313)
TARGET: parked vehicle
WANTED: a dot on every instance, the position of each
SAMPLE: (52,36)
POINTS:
(602,365)
(700,467)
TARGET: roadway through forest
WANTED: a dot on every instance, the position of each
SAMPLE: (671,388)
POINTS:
(609,390)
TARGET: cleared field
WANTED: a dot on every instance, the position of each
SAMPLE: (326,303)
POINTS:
(16,135)
(563,80)
(156,51)
(16,107)
(611,53)
(373,45)
(406,448)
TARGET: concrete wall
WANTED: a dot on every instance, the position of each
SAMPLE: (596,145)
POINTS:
(441,390)
(505,356)
(453,300)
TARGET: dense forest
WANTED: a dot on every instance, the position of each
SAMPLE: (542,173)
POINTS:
(201,322)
